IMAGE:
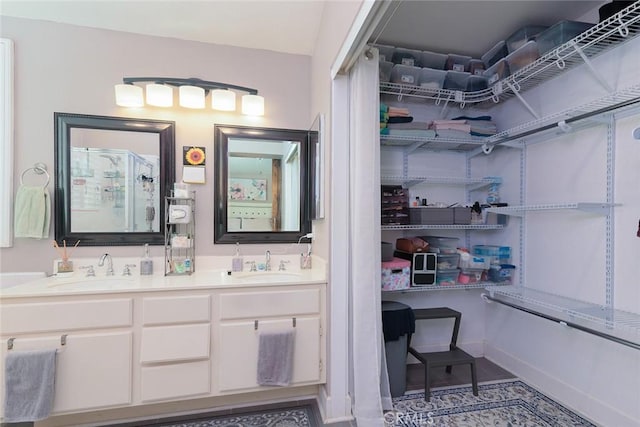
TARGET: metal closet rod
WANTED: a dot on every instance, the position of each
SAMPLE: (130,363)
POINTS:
(571,120)
(565,323)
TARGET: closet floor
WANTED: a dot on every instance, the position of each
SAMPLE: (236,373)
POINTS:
(486,371)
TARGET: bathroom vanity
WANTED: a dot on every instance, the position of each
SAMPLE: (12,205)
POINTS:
(134,341)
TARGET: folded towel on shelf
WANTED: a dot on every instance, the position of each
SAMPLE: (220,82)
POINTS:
(457,126)
(398,112)
(406,119)
(383,108)
(452,134)
(32,212)
(275,358)
(410,125)
(29,385)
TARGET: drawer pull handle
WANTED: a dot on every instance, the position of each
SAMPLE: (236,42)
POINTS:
(294,322)
(255,325)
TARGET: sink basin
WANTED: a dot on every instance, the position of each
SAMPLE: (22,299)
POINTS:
(271,276)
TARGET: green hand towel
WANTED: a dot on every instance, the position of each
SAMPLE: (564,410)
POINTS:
(32,212)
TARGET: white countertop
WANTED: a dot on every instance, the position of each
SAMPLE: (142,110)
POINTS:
(210,274)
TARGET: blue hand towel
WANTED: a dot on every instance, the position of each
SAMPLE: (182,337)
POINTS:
(275,358)
(32,212)
(29,385)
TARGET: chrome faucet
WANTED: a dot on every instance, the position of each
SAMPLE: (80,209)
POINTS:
(267,263)
(109,265)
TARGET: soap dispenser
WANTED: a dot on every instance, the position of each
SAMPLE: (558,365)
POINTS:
(236,262)
(146,263)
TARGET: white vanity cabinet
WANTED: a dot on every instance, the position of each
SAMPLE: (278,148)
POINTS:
(175,346)
(94,344)
(244,314)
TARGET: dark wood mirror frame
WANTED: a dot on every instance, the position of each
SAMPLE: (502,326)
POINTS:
(64,122)
(222,134)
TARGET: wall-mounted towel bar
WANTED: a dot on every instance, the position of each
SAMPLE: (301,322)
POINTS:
(63,341)
(256,323)
(38,168)
(564,322)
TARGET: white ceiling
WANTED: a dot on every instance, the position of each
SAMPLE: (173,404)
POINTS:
(291,26)
(283,26)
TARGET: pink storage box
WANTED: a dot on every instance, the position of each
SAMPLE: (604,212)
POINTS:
(396,274)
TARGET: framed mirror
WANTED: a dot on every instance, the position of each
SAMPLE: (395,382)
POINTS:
(111,177)
(263,185)
(316,143)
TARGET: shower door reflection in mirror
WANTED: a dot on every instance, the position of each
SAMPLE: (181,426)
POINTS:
(114,181)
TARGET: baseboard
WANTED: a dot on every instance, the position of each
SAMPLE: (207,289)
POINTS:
(586,405)
(327,411)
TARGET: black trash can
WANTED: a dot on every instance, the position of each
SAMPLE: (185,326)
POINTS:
(398,321)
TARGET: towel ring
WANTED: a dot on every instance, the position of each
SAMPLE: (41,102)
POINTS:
(38,168)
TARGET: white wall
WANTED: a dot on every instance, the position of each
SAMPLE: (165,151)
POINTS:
(73,69)
(565,251)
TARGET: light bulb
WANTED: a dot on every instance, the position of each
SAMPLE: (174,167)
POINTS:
(253,105)
(224,100)
(159,95)
(191,97)
(129,96)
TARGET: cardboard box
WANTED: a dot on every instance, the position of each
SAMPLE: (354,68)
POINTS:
(430,216)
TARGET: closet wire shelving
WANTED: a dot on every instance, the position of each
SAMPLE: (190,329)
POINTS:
(608,34)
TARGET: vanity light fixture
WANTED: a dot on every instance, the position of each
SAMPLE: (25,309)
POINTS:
(192,93)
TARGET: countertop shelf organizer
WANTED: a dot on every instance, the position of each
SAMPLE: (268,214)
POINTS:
(608,34)
(589,207)
(616,325)
(179,235)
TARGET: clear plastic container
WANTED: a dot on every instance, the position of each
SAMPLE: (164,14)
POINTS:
(559,34)
(442,245)
(522,36)
(495,254)
(495,54)
(409,57)
(447,277)
(455,80)
(473,262)
(522,57)
(385,68)
(385,53)
(405,74)
(497,71)
(501,272)
(475,83)
(476,67)
(468,276)
(432,79)
(437,61)
(447,261)
(457,62)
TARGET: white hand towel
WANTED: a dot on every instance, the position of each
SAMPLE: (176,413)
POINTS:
(275,358)
(32,212)
(29,385)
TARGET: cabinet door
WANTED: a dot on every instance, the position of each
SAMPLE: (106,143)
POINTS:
(92,370)
(237,352)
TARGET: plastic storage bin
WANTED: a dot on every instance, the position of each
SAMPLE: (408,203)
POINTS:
(385,68)
(523,35)
(473,262)
(477,67)
(495,54)
(447,261)
(442,245)
(455,80)
(447,277)
(408,57)
(432,79)
(497,71)
(405,74)
(396,274)
(501,272)
(457,62)
(559,34)
(437,61)
(386,251)
(430,216)
(495,254)
(475,83)
(467,276)
(385,53)
(522,57)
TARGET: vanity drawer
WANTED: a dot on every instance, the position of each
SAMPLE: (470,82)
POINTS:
(242,305)
(65,316)
(175,343)
(176,380)
(171,310)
